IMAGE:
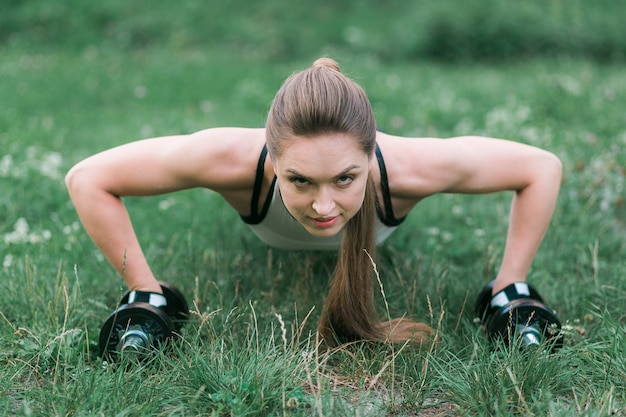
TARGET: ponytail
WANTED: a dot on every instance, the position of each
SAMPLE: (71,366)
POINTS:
(349,312)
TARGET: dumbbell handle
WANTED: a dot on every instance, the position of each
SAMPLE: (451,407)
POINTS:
(135,339)
(530,336)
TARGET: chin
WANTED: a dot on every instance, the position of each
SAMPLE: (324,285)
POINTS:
(331,231)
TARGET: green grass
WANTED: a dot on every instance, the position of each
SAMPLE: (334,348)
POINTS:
(248,349)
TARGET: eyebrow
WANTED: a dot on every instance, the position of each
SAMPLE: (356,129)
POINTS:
(344,172)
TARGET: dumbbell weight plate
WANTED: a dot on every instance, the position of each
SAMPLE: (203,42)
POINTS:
(525,313)
(177,307)
(149,319)
(483,302)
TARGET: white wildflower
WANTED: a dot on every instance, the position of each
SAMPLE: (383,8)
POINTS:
(140,91)
(5,165)
(433,231)
(354,35)
(206,106)
(397,122)
(146,131)
(8,261)
(47,123)
(393,82)
(20,234)
(166,204)
(50,165)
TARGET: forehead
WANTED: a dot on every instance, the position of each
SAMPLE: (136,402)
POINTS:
(323,154)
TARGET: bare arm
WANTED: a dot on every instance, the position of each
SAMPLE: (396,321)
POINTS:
(483,165)
(219,159)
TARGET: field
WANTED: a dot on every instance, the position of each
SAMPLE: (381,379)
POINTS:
(85,78)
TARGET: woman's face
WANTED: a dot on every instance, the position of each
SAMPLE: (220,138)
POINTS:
(322,180)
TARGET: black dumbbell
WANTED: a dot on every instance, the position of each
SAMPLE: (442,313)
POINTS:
(139,327)
(517,313)
(135,328)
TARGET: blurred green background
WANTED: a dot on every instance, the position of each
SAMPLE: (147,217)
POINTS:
(445,30)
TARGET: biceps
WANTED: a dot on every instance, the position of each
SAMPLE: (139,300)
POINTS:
(137,168)
(489,165)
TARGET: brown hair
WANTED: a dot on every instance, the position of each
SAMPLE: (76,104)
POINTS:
(322,100)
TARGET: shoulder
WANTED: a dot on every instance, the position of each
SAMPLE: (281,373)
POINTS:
(419,167)
(228,141)
(416,166)
(220,158)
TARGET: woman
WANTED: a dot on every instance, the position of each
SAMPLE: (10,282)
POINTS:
(331,181)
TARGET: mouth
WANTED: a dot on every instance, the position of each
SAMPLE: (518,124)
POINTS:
(324,222)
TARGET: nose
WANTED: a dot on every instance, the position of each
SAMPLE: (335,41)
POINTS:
(324,203)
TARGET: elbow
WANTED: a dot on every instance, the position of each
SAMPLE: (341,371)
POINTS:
(85,183)
(72,179)
(546,173)
(554,167)
(77,180)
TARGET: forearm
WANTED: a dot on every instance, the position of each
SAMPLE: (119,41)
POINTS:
(107,222)
(531,212)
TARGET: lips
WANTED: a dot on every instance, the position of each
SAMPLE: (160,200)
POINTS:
(324,222)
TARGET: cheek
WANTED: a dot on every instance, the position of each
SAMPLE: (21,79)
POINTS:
(351,200)
(293,201)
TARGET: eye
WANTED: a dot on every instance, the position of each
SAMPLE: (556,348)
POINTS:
(345,180)
(299,181)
